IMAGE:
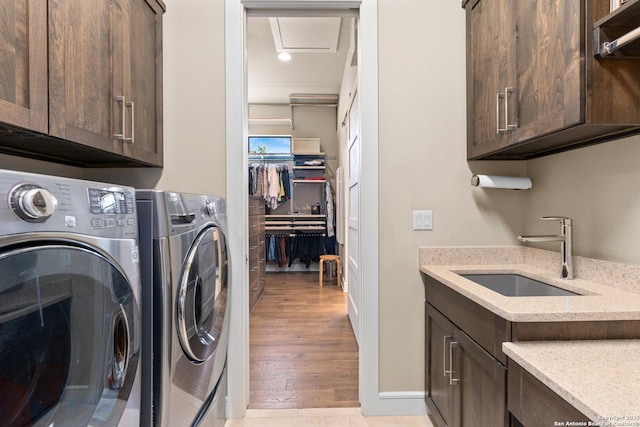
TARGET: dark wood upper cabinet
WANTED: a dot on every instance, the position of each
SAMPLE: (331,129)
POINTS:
(142,74)
(534,86)
(490,27)
(106,76)
(82,81)
(23,64)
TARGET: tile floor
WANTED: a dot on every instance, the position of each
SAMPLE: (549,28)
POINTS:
(323,417)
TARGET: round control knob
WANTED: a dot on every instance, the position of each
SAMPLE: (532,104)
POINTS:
(33,203)
(210,207)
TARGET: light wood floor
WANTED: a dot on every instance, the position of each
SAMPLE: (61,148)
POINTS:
(303,351)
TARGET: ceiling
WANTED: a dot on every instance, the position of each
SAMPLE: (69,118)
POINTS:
(318,48)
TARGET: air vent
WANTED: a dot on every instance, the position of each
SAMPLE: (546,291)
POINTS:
(306,34)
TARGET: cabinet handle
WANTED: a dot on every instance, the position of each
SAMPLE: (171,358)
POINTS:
(447,372)
(499,130)
(508,127)
(129,104)
(121,100)
(452,381)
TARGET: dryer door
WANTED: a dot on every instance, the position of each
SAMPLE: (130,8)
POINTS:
(202,295)
(69,344)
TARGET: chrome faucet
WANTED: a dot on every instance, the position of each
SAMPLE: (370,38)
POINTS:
(565,239)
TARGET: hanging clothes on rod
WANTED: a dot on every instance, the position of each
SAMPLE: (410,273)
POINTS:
(270,181)
(330,241)
(285,248)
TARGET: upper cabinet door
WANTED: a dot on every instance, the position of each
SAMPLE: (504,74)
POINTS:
(142,62)
(23,64)
(82,104)
(534,86)
(549,71)
(491,69)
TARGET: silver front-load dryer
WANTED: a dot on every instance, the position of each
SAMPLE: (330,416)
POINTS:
(184,267)
(70,321)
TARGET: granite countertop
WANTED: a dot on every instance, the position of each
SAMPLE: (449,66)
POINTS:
(599,378)
(597,300)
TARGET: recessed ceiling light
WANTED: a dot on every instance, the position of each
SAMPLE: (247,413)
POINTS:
(284,56)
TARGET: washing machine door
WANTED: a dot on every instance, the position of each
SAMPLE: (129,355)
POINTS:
(68,340)
(202,295)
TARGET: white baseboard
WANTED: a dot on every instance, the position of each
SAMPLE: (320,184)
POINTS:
(398,403)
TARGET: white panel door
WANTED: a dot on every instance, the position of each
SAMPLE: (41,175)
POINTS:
(353,250)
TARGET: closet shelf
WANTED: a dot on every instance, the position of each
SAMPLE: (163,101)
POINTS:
(294,228)
(309,181)
(268,217)
(271,122)
(289,224)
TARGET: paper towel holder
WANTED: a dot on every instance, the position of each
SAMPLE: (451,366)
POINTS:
(507,182)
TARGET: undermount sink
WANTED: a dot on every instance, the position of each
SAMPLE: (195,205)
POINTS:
(515,285)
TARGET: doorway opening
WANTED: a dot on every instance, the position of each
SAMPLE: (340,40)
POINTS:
(372,403)
(302,78)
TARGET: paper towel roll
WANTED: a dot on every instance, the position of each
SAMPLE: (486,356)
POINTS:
(493,181)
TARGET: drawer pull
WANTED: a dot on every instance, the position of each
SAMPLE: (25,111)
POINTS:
(452,380)
(447,372)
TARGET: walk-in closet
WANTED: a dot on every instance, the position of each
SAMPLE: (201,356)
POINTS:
(301,83)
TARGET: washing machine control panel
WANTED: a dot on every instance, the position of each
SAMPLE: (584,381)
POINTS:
(103,201)
(32,203)
(57,204)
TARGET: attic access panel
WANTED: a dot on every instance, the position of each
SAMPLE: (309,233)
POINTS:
(306,34)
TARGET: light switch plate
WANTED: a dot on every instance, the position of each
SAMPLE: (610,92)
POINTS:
(423,220)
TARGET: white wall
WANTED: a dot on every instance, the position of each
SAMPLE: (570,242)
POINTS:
(24,164)
(423,166)
(597,187)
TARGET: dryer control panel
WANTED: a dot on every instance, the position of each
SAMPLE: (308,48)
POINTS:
(177,213)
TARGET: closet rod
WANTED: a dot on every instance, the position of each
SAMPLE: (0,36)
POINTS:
(287,157)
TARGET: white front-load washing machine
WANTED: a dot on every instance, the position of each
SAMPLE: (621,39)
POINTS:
(184,268)
(70,322)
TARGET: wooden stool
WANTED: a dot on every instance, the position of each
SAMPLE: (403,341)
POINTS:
(335,258)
